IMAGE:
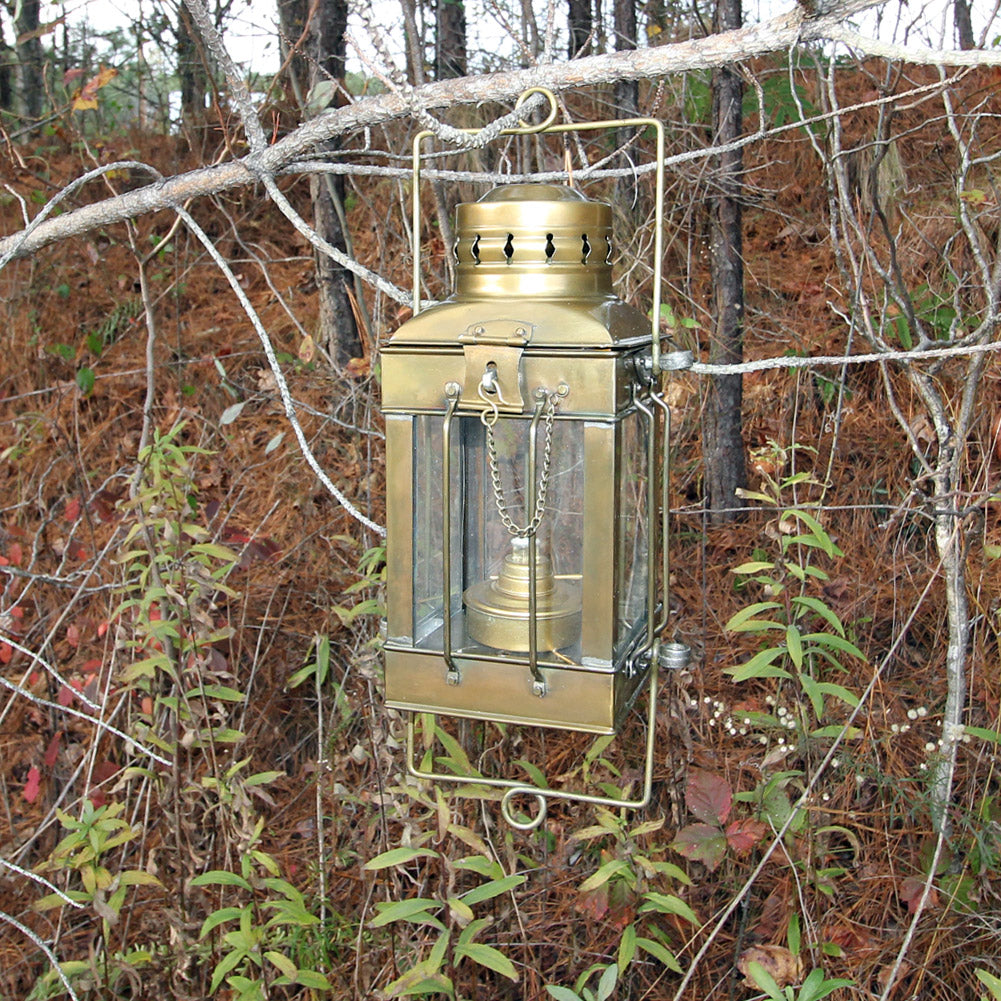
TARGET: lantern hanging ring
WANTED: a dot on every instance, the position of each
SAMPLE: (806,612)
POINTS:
(549,119)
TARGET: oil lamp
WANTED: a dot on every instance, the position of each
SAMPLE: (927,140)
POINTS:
(526,473)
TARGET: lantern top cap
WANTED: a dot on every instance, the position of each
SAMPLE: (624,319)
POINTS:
(533,193)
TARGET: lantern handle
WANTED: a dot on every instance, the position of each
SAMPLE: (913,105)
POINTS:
(549,125)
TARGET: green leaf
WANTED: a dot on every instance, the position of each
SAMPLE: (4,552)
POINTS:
(754,566)
(219,917)
(225,965)
(562,993)
(415,910)
(494,888)
(836,643)
(744,621)
(835,730)
(794,644)
(816,697)
(488,956)
(398,856)
(627,947)
(314,980)
(283,963)
(991,736)
(815,605)
(603,875)
(85,380)
(759,666)
(607,982)
(765,981)
(659,952)
(793,934)
(665,903)
(220,877)
(992,983)
(819,536)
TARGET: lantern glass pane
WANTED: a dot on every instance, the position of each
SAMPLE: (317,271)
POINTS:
(480,541)
(632,526)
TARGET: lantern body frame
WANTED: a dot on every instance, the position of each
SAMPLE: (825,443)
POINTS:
(543,320)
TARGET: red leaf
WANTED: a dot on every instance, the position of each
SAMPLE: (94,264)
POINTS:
(52,751)
(6,652)
(15,553)
(65,696)
(593,904)
(73,634)
(72,509)
(102,629)
(708,796)
(16,612)
(92,666)
(33,784)
(910,892)
(743,835)
(701,843)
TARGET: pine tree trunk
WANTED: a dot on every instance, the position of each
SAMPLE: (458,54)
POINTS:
(320,30)
(190,70)
(580,23)
(450,40)
(722,442)
(964,25)
(29,59)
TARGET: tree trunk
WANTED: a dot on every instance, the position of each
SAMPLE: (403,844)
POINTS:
(190,69)
(580,24)
(722,443)
(964,25)
(450,40)
(8,60)
(627,94)
(320,25)
(413,42)
(29,59)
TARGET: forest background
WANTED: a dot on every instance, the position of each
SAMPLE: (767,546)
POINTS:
(201,793)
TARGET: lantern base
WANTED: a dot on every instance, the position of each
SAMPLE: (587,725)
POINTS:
(542,794)
(590,700)
(498,611)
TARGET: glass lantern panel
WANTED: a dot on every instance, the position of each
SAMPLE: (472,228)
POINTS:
(489,598)
(632,530)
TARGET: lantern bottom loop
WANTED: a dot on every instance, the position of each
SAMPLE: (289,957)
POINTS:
(542,795)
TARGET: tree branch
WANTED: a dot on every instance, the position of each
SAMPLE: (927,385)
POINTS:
(779,34)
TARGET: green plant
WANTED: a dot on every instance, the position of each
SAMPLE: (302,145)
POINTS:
(602,990)
(255,947)
(808,634)
(631,880)
(90,837)
(452,917)
(992,983)
(813,988)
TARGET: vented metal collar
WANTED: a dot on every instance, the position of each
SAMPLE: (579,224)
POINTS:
(533,240)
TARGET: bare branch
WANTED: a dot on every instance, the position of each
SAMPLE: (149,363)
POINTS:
(779,34)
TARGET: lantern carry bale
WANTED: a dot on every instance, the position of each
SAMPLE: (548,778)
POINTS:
(526,474)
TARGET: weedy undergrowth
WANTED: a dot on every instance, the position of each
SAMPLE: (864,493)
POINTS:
(802,639)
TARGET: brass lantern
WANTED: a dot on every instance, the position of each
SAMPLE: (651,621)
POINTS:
(526,471)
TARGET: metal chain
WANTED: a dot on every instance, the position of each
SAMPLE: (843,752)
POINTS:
(552,402)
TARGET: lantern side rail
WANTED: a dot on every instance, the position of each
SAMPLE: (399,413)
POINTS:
(513,788)
(549,127)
